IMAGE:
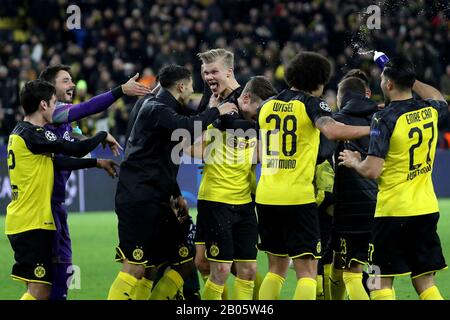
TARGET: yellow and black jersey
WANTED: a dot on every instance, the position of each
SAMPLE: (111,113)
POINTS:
(30,164)
(31,176)
(252,177)
(323,181)
(228,165)
(289,147)
(404,134)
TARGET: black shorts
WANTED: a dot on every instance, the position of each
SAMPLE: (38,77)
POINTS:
(326,227)
(406,245)
(150,234)
(199,233)
(230,232)
(33,255)
(350,247)
(289,230)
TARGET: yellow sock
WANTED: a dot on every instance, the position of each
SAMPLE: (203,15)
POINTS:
(143,289)
(326,281)
(212,291)
(258,281)
(320,295)
(353,284)
(168,286)
(243,289)
(382,294)
(27,296)
(432,293)
(123,287)
(337,286)
(271,287)
(306,289)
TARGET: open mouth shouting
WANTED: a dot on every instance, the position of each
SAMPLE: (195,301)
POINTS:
(70,94)
(214,86)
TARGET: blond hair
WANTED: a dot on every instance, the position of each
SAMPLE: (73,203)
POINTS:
(214,55)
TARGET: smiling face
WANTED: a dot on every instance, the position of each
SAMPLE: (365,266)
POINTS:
(65,88)
(217,77)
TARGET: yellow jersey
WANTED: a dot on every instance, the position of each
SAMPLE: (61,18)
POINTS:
(289,146)
(228,165)
(405,134)
(31,176)
(323,180)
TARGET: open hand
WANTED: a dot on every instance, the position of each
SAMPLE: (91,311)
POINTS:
(349,158)
(134,88)
(227,108)
(109,166)
(113,144)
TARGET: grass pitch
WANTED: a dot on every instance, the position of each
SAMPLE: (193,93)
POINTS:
(94,237)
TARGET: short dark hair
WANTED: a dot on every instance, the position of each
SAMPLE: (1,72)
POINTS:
(400,71)
(34,92)
(353,85)
(358,73)
(259,87)
(307,71)
(50,72)
(171,74)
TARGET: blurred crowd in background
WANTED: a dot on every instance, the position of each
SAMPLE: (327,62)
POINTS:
(119,38)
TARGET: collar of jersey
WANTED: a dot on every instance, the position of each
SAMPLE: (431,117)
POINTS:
(168,99)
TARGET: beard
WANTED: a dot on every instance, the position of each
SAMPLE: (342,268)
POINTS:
(387,99)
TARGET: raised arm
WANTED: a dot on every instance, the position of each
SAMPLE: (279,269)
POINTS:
(425,91)
(47,142)
(66,113)
(73,112)
(334,130)
(170,119)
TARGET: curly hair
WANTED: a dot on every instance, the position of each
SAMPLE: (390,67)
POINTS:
(307,71)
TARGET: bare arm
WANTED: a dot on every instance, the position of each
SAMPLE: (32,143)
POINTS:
(370,168)
(196,150)
(334,130)
(425,91)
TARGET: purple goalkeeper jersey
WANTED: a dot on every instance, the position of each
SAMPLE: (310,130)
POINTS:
(66,113)
(62,248)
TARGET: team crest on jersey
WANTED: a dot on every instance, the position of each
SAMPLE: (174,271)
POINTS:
(183,252)
(50,136)
(214,250)
(138,254)
(324,106)
(39,271)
